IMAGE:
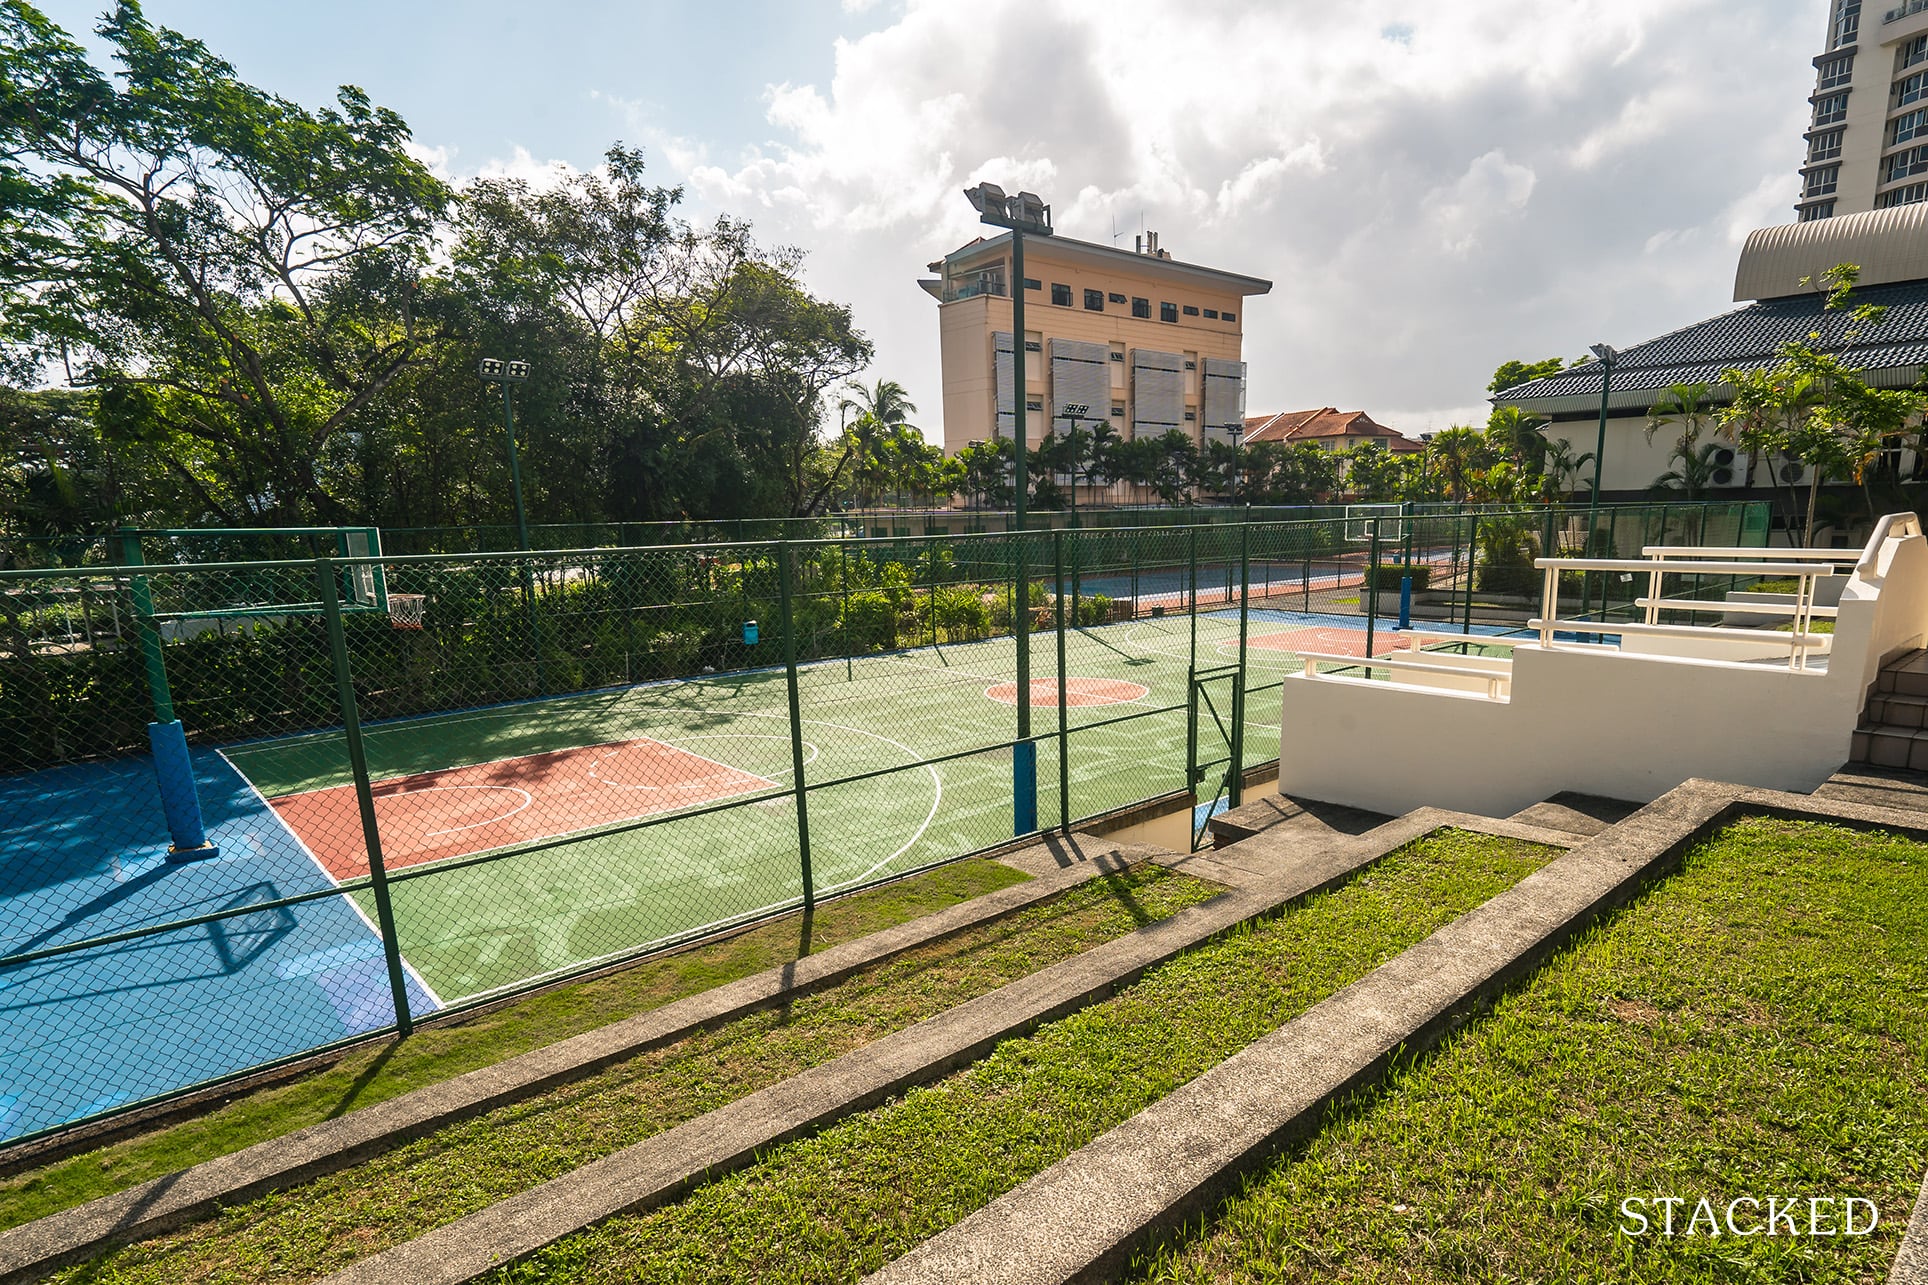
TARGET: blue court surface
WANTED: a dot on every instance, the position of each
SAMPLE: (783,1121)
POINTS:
(87,1032)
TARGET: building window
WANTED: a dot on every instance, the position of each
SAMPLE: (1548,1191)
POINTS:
(1847,24)
(1117,356)
(1824,146)
(1910,89)
(1911,52)
(1117,410)
(1908,125)
(1094,301)
(1034,403)
(1191,416)
(1033,345)
(1060,295)
(1211,314)
(1190,310)
(1141,308)
(1032,283)
(1830,109)
(1115,297)
(1228,316)
(1913,194)
(1191,365)
(1913,160)
(1822,181)
(1820,210)
(1838,70)
(1168,312)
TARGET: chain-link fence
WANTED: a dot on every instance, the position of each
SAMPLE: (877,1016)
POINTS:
(253,809)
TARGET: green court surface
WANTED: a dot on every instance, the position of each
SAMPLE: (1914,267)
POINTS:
(470,926)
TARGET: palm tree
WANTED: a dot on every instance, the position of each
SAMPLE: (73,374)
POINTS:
(1514,435)
(877,411)
(1559,468)
(1456,454)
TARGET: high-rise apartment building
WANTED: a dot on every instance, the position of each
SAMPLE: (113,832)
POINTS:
(1867,137)
(1135,340)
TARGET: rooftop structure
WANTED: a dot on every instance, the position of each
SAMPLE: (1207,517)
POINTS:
(1132,339)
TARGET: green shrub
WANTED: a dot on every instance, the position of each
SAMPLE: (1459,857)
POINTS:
(869,621)
(1387,575)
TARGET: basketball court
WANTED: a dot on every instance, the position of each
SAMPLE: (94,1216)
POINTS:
(631,816)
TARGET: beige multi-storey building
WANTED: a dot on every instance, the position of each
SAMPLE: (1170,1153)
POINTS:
(1133,339)
(1867,138)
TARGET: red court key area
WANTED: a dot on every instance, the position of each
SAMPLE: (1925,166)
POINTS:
(461,810)
(1338,642)
(1077,691)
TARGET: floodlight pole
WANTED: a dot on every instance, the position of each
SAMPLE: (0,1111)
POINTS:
(1607,355)
(1024,212)
(507,373)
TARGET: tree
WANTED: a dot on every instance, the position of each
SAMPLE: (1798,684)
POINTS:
(1513,373)
(1454,455)
(240,272)
(875,411)
(1515,436)
(1814,408)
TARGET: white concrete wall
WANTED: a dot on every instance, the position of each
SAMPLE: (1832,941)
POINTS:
(1622,724)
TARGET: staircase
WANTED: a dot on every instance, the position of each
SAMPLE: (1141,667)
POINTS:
(1894,723)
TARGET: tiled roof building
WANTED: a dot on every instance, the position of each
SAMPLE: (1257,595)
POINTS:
(1329,426)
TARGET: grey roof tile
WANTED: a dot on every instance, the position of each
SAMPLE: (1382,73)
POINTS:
(1752,337)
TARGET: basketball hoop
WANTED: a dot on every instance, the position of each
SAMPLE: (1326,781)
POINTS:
(405,610)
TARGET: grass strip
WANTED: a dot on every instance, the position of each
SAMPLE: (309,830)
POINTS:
(1751,1027)
(436,1053)
(846,1201)
(313,1229)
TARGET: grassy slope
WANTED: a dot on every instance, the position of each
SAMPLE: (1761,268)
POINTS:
(831,1207)
(1754,1026)
(313,1229)
(436,1053)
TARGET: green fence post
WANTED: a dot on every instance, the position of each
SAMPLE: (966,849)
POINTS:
(150,635)
(843,578)
(1064,717)
(1236,792)
(1472,554)
(785,622)
(364,796)
(932,590)
(1369,593)
(1191,579)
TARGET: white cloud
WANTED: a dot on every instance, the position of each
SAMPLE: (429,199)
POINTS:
(1434,187)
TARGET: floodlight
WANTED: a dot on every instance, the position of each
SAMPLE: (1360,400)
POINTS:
(518,370)
(987,198)
(1605,352)
(1029,209)
(491,368)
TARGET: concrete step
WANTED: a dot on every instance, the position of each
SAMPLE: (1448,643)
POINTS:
(1907,675)
(1581,814)
(1894,710)
(1307,816)
(1890,747)
(1878,787)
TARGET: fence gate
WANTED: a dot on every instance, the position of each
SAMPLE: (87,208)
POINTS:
(1214,743)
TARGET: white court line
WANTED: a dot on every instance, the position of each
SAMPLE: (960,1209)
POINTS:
(810,747)
(455,829)
(333,882)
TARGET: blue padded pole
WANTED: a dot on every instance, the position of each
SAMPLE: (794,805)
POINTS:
(180,800)
(1024,797)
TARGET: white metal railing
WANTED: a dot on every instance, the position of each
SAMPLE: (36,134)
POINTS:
(1901,11)
(1804,569)
(1494,678)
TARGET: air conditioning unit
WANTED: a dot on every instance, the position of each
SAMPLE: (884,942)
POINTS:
(1729,467)
(1792,472)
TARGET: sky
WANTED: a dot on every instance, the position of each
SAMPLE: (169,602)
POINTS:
(1433,186)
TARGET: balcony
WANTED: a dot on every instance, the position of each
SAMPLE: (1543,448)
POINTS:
(1901,11)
